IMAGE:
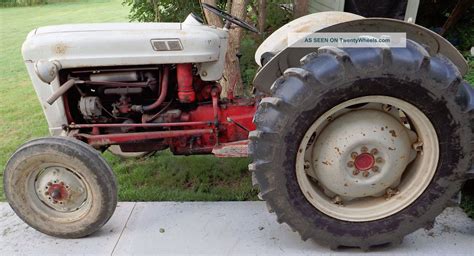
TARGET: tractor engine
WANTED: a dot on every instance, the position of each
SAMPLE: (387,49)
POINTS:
(148,108)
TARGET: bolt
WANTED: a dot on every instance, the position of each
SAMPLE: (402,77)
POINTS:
(386,107)
(306,165)
(379,160)
(329,119)
(391,192)
(374,151)
(365,173)
(418,146)
(354,155)
(337,200)
(350,164)
(355,172)
(375,168)
(364,149)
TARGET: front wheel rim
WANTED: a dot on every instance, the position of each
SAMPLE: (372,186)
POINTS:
(59,192)
(360,178)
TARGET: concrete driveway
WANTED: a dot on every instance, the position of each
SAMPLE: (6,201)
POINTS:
(214,228)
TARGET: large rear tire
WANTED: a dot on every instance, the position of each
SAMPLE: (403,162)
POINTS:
(61,187)
(323,115)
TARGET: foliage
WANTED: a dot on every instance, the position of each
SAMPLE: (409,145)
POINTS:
(433,14)
(161,10)
(11,3)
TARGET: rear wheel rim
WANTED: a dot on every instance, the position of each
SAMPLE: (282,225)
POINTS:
(351,171)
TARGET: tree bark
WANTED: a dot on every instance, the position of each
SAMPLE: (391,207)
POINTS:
(262,15)
(300,8)
(211,18)
(232,81)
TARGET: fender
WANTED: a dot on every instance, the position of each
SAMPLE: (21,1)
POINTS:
(290,57)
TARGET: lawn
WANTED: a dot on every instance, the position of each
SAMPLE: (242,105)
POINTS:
(161,177)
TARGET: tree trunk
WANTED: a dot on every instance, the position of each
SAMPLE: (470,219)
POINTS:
(300,8)
(262,15)
(232,80)
(211,18)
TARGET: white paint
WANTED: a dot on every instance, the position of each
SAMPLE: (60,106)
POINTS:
(310,23)
(214,228)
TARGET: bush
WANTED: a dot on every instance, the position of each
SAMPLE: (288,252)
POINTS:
(12,3)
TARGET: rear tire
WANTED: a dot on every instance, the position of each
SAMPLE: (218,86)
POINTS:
(334,76)
(61,187)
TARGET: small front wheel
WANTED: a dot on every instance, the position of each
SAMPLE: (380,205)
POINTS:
(61,187)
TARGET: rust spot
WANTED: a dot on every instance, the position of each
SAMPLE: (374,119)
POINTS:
(389,148)
(326,163)
(60,48)
(345,185)
(338,150)
(382,128)
(394,134)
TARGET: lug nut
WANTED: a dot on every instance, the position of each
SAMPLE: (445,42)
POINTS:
(375,168)
(379,160)
(337,200)
(49,183)
(350,164)
(374,151)
(365,173)
(355,172)
(354,155)
(364,149)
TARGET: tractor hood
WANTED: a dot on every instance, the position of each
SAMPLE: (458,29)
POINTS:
(114,44)
(106,27)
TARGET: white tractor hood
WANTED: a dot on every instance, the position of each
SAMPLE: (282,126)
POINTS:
(112,44)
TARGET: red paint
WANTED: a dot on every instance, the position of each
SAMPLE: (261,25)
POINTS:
(205,122)
(58,192)
(163,93)
(147,125)
(364,162)
(184,73)
(118,138)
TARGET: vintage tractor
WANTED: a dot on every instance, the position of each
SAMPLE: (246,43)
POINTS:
(350,146)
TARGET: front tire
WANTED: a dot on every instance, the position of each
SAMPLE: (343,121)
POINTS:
(61,187)
(331,78)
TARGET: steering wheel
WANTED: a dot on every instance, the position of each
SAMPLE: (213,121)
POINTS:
(230,18)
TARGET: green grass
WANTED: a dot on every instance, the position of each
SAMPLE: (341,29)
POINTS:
(161,177)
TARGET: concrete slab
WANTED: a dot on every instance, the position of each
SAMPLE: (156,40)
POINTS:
(214,228)
(18,238)
(246,228)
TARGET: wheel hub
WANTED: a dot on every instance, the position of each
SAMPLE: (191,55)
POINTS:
(361,153)
(59,188)
(364,162)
